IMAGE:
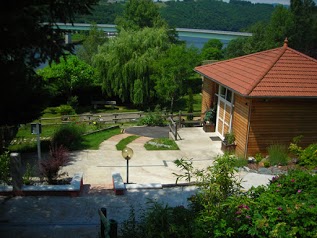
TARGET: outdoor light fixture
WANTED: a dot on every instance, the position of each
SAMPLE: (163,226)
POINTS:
(127,154)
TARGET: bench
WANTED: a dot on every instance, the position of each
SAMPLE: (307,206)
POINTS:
(118,185)
(96,103)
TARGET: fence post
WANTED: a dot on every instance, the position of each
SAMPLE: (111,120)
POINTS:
(175,131)
(180,119)
(102,225)
(113,232)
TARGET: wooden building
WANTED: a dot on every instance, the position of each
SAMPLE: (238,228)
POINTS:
(263,98)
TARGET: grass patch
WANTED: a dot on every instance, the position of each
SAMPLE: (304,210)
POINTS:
(93,141)
(161,144)
(240,162)
(278,154)
(124,142)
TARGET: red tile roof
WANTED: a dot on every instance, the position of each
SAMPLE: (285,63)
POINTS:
(280,72)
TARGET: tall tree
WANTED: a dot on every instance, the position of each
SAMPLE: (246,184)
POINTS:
(212,50)
(172,69)
(67,76)
(26,43)
(305,26)
(90,44)
(139,14)
(125,63)
(298,24)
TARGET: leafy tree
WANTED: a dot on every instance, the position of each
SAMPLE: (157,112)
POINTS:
(298,24)
(212,50)
(305,26)
(68,75)
(125,64)
(139,14)
(235,48)
(26,43)
(90,44)
(172,69)
(280,26)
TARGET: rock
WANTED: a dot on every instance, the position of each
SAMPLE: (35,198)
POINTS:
(251,160)
(264,171)
(246,169)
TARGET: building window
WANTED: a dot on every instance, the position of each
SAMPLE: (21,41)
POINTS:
(225,94)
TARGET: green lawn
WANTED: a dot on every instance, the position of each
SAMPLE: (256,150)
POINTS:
(124,142)
(93,141)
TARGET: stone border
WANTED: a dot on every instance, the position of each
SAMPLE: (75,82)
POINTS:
(73,189)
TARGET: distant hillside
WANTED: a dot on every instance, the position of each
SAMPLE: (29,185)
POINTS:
(204,14)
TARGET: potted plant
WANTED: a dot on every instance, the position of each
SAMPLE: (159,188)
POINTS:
(229,142)
(210,120)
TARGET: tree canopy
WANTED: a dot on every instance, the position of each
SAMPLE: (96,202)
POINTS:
(173,68)
(298,24)
(67,76)
(139,14)
(212,50)
(26,43)
(90,44)
(202,14)
(125,63)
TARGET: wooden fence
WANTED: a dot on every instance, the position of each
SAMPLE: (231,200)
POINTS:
(91,118)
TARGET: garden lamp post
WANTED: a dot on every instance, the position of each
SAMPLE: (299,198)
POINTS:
(127,154)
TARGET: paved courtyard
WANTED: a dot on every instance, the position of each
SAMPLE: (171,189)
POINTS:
(145,166)
(78,217)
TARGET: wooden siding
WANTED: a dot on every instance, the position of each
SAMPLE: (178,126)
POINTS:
(280,120)
(240,123)
(209,89)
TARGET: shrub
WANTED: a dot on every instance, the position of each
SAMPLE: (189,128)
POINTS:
(27,177)
(229,138)
(69,135)
(240,162)
(258,158)
(284,208)
(278,154)
(5,168)
(308,156)
(50,167)
(152,119)
(159,221)
(66,110)
(73,102)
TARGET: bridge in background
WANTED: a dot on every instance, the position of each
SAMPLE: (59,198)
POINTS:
(183,33)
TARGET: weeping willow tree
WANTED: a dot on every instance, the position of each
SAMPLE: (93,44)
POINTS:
(126,62)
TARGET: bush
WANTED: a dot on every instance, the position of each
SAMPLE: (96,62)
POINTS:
(50,167)
(159,221)
(278,154)
(66,110)
(240,162)
(5,176)
(69,135)
(152,119)
(308,156)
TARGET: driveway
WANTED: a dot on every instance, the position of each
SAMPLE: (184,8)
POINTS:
(149,131)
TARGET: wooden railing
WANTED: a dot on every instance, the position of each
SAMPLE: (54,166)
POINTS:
(90,118)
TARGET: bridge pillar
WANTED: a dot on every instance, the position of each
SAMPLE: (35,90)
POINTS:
(68,38)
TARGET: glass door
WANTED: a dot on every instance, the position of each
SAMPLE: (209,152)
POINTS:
(224,111)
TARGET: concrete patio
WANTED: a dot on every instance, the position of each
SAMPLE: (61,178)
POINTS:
(145,166)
